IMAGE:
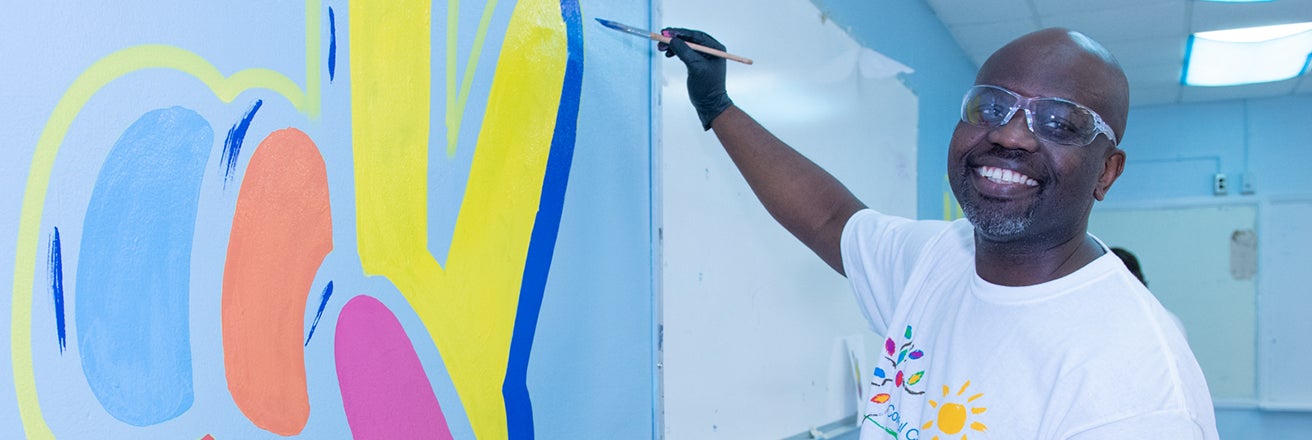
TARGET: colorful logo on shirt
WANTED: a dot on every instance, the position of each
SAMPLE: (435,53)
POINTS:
(953,417)
(899,374)
(896,373)
(906,353)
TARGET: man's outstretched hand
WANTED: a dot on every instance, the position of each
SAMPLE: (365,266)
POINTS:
(705,72)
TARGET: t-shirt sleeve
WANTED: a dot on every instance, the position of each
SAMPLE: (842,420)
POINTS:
(879,251)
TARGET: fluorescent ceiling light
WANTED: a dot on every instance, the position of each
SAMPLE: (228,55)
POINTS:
(1248,55)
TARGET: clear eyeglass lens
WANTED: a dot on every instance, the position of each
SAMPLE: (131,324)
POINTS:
(1052,119)
(1063,122)
(988,107)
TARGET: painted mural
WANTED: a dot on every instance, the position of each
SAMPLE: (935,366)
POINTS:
(343,230)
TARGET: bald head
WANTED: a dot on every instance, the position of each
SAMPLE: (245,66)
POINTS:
(1062,63)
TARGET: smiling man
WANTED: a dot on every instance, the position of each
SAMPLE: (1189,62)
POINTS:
(1014,323)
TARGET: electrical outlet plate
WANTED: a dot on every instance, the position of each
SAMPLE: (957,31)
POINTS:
(1220,184)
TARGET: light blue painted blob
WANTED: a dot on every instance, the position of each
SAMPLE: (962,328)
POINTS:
(133,275)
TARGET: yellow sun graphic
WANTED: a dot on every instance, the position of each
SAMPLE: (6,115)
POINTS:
(953,417)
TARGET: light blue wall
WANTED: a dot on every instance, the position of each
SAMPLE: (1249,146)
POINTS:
(909,32)
(1278,135)
(1174,150)
(1247,424)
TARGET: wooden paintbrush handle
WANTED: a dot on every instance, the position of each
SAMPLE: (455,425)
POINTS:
(704,49)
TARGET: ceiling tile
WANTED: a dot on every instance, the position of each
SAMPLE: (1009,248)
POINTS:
(1066,7)
(1147,51)
(1264,90)
(1141,96)
(1211,16)
(1304,84)
(1148,37)
(959,12)
(1163,74)
(981,40)
(1131,23)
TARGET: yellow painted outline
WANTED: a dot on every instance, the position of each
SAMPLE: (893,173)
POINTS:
(455,102)
(96,77)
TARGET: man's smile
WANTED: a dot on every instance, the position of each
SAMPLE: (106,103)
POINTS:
(1005,176)
(999,183)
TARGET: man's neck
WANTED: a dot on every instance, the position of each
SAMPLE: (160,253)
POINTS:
(1013,264)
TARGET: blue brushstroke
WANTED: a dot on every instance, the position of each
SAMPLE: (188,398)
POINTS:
(232,145)
(57,287)
(519,408)
(332,44)
(134,287)
(327,293)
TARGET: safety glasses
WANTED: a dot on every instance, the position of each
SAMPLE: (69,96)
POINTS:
(1051,119)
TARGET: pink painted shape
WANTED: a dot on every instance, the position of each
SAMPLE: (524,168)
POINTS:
(385,392)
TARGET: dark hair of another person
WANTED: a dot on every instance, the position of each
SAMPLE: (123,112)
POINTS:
(1131,262)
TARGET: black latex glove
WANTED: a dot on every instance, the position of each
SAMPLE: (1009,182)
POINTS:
(705,72)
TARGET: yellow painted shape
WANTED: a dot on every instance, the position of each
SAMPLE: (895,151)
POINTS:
(951,210)
(96,77)
(947,205)
(469,306)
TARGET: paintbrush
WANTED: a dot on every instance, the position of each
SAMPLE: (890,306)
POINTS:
(664,39)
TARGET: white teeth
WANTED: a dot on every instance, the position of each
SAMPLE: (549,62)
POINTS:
(1000,175)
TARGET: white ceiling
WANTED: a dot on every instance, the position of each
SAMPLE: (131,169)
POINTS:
(1147,36)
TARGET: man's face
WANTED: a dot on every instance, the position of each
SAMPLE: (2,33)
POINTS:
(1013,185)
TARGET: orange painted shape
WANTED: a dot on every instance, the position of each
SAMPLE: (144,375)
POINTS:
(281,232)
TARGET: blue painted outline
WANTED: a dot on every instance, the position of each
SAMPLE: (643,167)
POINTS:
(232,145)
(323,302)
(332,44)
(519,407)
(57,288)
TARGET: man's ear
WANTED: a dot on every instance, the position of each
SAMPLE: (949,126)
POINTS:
(1112,167)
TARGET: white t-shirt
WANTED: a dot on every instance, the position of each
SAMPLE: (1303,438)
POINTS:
(1091,355)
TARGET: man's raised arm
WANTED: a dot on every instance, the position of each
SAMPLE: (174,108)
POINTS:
(804,198)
